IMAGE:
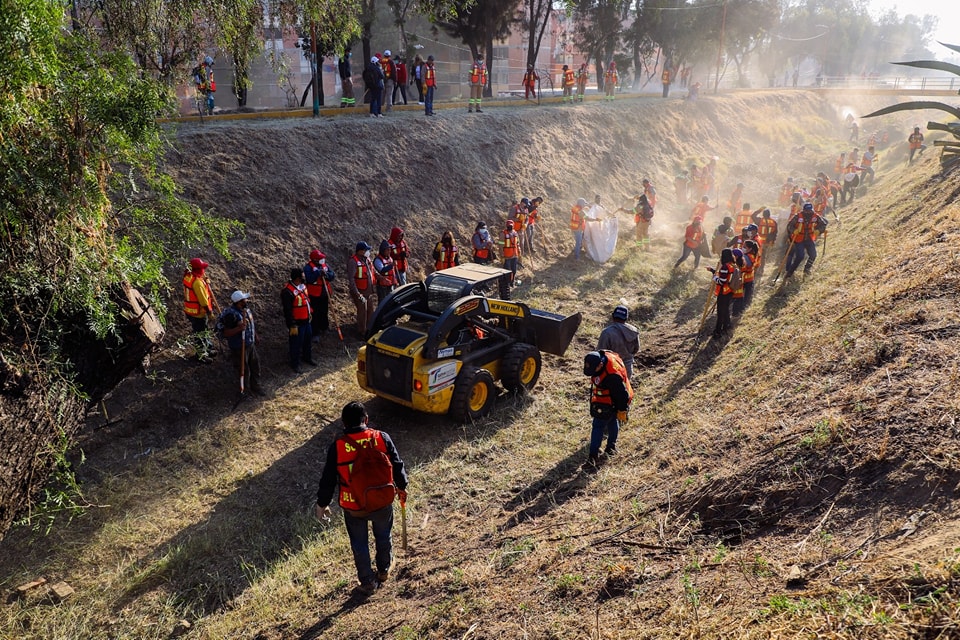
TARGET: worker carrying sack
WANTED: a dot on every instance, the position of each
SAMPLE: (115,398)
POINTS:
(371,474)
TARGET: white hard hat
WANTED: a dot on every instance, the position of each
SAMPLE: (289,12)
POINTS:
(387,53)
(238,296)
(374,60)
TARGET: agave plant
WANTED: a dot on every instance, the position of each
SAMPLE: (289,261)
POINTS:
(950,149)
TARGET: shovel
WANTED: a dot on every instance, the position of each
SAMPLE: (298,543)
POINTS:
(403,523)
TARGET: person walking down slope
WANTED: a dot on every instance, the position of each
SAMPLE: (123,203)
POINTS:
(610,80)
(240,332)
(478,80)
(723,290)
(610,398)
(430,85)
(621,337)
(916,143)
(365,482)
(803,229)
(296,313)
(693,239)
(346,80)
(198,306)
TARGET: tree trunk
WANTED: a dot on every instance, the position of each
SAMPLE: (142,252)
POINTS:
(39,407)
(488,90)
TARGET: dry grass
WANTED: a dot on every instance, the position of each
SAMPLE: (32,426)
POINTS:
(809,440)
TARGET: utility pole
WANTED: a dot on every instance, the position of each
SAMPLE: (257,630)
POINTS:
(316,68)
(723,26)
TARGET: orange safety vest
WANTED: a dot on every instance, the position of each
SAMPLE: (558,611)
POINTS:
(665,76)
(191,304)
(915,140)
(347,454)
(838,167)
(448,256)
(568,78)
(509,244)
(725,272)
(532,216)
(700,209)
(610,76)
(390,278)
(803,228)
(395,251)
(750,264)
(693,237)
(867,161)
(519,220)
(743,219)
(577,221)
(430,77)
(315,290)
(530,79)
(767,227)
(362,275)
(582,75)
(614,366)
(478,74)
(483,253)
(301,305)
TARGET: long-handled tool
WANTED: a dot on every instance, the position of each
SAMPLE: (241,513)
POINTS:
(403,523)
(337,325)
(783,263)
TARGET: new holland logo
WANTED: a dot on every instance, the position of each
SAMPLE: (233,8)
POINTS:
(505,308)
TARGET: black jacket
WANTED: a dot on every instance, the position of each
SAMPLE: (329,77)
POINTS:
(330,478)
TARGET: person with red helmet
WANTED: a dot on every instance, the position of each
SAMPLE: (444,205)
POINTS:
(583,74)
(318,275)
(199,306)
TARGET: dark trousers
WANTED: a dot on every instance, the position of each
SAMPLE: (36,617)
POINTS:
(808,249)
(723,314)
(611,426)
(748,293)
(301,345)
(251,369)
(686,254)
(358,532)
(666,90)
(321,314)
(420,89)
(375,97)
(402,88)
(200,334)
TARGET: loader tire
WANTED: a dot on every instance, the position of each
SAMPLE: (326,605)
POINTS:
(473,395)
(520,368)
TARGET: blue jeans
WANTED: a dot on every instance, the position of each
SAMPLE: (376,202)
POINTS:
(301,345)
(612,427)
(382,521)
(401,278)
(375,95)
(511,265)
(428,101)
(577,243)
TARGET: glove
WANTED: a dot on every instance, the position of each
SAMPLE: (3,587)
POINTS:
(711,269)
(403,497)
(717,280)
(622,417)
(294,331)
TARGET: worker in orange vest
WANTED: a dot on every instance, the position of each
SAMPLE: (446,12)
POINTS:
(736,199)
(446,254)
(318,275)
(362,286)
(701,208)
(665,79)
(610,80)
(399,252)
(568,81)
(482,244)
(610,398)
(478,80)
(384,271)
(583,74)
(578,222)
(916,143)
(803,230)
(199,306)
(693,239)
(530,80)
(722,289)
(296,313)
(511,252)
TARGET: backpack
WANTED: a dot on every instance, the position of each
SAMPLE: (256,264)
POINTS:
(369,77)
(736,279)
(228,319)
(371,476)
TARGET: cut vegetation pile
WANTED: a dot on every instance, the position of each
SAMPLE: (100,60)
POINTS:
(798,480)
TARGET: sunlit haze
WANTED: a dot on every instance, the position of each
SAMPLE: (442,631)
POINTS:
(948,29)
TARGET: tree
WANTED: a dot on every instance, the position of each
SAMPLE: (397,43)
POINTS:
(87,217)
(599,27)
(477,23)
(748,23)
(535,19)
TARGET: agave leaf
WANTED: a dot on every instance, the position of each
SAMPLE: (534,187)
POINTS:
(932,64)
(915,105)
(953,47)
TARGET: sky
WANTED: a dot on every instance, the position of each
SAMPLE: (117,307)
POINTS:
(947,10)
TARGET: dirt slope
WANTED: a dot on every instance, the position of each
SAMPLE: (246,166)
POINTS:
(816,450)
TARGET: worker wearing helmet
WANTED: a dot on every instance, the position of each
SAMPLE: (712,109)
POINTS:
(199,305)
(511,251)
(610,398)
(802,229)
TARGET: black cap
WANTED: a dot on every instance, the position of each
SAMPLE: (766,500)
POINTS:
(296,273)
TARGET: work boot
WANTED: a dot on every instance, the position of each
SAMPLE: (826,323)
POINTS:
(383,575)
(610,451)
(310,361)
(593,460)
(368,588)
(479,110)
(470,110)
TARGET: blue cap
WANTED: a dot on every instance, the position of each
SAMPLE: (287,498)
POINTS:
(362,246)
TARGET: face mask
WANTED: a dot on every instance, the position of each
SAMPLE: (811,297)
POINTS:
(366,254)
(323,262)
(349,55)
